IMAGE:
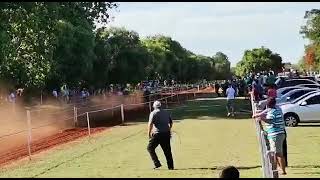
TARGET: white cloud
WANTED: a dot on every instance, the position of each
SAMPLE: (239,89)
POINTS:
(206,28)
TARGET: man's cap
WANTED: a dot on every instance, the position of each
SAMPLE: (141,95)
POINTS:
(157,104)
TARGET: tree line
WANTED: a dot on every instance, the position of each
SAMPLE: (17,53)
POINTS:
(311,31)
(44,45)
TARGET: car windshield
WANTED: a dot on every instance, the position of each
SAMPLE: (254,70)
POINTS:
(303,96)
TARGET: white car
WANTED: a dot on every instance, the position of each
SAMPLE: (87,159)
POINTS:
(282,91)
(306,109)
(309,85)
(299,98)
(288,97)
(294,94)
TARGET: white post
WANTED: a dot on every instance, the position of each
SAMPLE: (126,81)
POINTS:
(198,88)
(88,122)
(122,113)
(75,116)
(29,133)
(150,106)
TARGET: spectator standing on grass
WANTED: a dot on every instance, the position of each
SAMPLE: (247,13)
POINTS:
(275,128)
(231,95)
(159,131)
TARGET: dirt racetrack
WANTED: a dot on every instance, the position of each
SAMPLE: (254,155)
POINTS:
(46,143)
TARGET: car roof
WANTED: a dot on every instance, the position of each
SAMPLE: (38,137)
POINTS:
(308,84)
(301,89)
(289,87)
(299,80)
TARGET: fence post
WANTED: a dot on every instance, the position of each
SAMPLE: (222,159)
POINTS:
(112,108)
(122,113)
(88,122)
(75,116)
(29,133)
(167,103)
(198,88)
(274,170)
(178,98)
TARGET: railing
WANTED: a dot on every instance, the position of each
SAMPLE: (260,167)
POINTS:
(269,169)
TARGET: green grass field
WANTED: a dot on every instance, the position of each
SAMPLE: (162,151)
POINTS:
(208,142)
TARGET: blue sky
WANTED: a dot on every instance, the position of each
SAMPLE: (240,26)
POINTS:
(230,27)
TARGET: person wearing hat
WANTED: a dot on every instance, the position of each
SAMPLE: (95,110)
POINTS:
(159,131)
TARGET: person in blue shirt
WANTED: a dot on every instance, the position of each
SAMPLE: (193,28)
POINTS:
(275,128)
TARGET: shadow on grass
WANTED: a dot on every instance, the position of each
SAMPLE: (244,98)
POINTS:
(220,168)
(204,109)
(309,125)
(212,110)
(309,173)
(305,166)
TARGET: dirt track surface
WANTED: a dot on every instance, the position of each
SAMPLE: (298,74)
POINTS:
(47,140)
(46,143)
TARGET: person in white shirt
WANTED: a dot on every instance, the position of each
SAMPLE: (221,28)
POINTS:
(231,95)
(55,93)
(12,97)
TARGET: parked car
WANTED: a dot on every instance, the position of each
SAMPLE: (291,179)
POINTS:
(280,83)
(299,98)
(288,97)
(282,91)
(312,78)
(309,85)
(306,109)
(294,94)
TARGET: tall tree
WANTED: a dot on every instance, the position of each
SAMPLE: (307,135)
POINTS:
(30,28)
(259,59)
(222,65)
(311,31)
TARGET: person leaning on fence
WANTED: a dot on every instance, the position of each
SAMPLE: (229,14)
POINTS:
(159,131)
(275,129)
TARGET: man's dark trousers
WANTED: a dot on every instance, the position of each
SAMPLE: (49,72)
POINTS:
(164,140)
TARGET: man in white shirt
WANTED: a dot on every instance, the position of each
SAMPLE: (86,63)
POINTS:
(231,94)
(55,93)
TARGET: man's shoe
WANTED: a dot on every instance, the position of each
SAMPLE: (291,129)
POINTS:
(157,167)
(171,168)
